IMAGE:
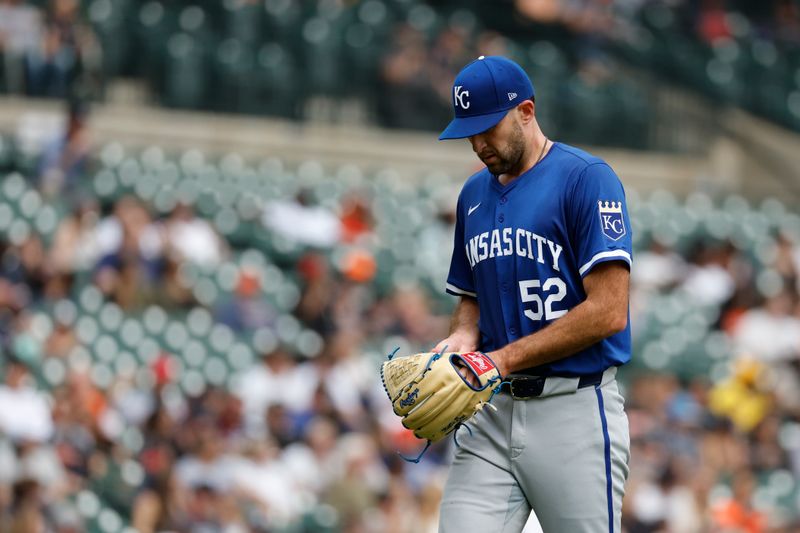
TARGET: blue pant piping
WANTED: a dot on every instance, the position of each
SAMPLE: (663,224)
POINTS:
(607,444)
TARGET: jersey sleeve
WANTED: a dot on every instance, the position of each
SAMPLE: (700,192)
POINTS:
(459,279)
(599,224)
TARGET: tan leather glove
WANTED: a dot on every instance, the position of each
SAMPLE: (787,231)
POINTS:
(433,393)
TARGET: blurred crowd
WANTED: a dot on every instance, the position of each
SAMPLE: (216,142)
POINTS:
(297,444)
(720,453)
(48,52)
(308,443)
(707,20)
(417,71)
(342,55)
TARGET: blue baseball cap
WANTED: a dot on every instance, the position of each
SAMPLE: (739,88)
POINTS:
(483,93)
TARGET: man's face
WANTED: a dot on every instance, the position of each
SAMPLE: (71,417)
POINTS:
(501,147)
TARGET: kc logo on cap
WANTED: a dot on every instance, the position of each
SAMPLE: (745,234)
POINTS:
(483,93)
(458,96)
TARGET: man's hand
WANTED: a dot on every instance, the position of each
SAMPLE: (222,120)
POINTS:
(464,333)
(459,341)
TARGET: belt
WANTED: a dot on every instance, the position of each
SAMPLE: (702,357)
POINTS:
(522,387)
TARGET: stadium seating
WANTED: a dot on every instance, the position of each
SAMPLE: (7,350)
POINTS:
(672,333)
(303,50)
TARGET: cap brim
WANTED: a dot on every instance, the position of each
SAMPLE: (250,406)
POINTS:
(463,127)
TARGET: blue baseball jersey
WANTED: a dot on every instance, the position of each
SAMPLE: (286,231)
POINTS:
(523,249)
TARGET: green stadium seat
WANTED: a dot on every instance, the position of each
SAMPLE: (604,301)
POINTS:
(194,353)
(205,291)
(216,371)
(244,21)
(108,17)
(235,88)
(176,336)
(186,77)
(240,356)
(105,348)
(109,521)
(87,329)
(125,365)
(155,320)
(88,504)
(101,375)
(284,19)
(148,350)
(155,23)
(6,154)
(321,45)
(221,338)
(193,383)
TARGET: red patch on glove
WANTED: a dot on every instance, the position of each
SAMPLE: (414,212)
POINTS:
(478,362)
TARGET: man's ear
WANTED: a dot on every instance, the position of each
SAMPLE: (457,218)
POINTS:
(526,111)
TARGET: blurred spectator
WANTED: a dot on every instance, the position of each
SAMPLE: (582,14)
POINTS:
(24,412)
(362,477)
(712,21)
(302,223)
(64,158)
(208,468)
(158,507)
(346,378)
(359,266)
(24,266)
(408,99)
(356,218)
(262,478)
(744,398)
(314,307)
(312,462)
(770,333)
(246,309)
(75,246)
(192,239)
(710,279)
(128,272)
(279,380)
(737,513)
(20,34)
(26,510)
(67,55)
(659,268)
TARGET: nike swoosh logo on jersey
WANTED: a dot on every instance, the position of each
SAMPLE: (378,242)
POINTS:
(473,208)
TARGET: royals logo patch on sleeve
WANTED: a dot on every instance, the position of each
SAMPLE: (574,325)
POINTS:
(611,219)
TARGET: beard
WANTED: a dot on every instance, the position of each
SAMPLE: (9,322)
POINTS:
(508,158)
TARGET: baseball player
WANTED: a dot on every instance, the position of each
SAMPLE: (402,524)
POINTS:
(541,261)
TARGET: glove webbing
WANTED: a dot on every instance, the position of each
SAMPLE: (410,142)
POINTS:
(433,358)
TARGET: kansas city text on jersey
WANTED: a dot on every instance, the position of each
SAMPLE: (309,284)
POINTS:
(509,241)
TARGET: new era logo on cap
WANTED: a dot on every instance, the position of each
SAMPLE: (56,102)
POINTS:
(483,93)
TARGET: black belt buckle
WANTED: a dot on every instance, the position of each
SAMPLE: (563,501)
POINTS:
(526,387)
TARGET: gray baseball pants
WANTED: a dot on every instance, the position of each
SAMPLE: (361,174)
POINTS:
(563,454)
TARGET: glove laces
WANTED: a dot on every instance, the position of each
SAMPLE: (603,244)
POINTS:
(499,382)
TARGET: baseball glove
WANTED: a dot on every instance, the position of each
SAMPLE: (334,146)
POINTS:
(432,392)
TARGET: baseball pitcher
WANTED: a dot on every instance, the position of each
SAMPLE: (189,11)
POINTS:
(541,265)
